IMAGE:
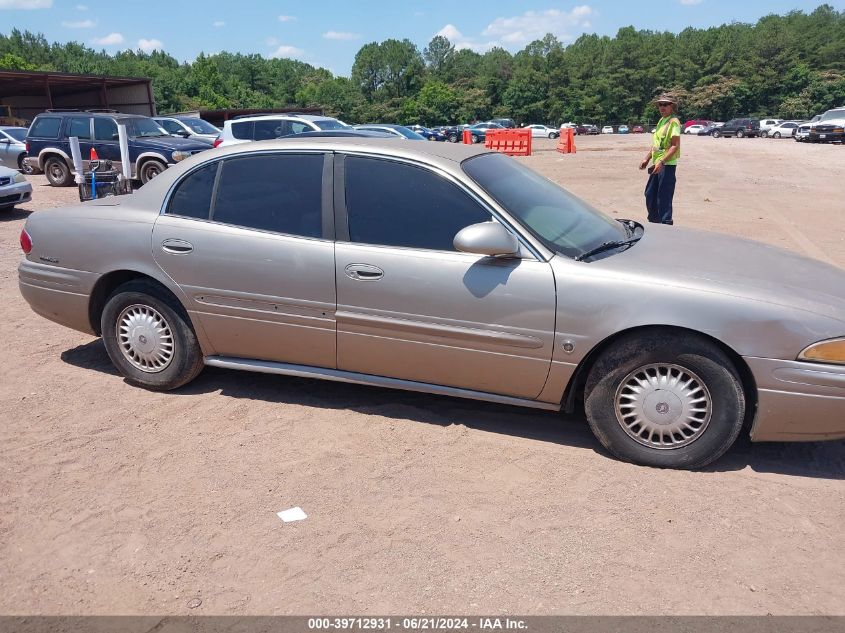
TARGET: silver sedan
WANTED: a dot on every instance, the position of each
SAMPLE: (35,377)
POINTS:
(14,188)
(451,270)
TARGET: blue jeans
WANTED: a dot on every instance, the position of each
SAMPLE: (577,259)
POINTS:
(659,191)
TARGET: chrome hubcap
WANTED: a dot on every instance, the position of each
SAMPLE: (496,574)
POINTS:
(145,338)
(663,406)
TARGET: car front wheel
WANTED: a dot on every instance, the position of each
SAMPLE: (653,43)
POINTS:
(149,338)
(715,134)
(763,134)
(150,170)
(776,135)
(670,401)
(453,138)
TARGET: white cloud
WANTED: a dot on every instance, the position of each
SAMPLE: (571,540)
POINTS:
(690,2)
(460,42)
(272,41)
(25,4)
(112,39)
(339,35)
(218,24)
(80,24)
(287,18)
(148,46)
(288,51)
(533,25)
(82,7)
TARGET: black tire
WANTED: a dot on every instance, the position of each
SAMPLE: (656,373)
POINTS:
(476,139)
(692,354)
(453,138)
(23,165)
(552,135)
(715,134)
(150,170)
(57,171)
(763,134)
(776,135)
(185,360)
(740,134)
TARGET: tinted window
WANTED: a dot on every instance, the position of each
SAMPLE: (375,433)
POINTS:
(45,126)
(280,193)
(105,130)
(171,126)
(242,130)
(394,204)
(192,197)
(267,129)
(79,127)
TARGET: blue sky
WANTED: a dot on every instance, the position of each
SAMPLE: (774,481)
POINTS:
(329,33)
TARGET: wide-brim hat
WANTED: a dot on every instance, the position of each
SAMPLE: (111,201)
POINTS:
(666,97)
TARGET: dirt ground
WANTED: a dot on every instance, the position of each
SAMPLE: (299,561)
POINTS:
(116,500)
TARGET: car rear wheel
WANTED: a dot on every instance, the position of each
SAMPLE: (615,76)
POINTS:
(453,138)
(23,165)
(715,134)
(740,134)
(670,401)
(150,170)
(149,338)
(57,172)
(764,134)
(776,135)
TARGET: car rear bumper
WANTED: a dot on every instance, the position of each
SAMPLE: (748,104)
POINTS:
(59,294)
(798,401)
(13,194)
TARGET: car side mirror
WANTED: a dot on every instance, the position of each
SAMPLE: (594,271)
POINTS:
(487,238)
(5,141)
(183,133)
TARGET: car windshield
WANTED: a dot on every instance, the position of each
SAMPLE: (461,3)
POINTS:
(330,124)
(833,114)
(141,128)
(200,127)
(17,134)
(562,222)
(408,133)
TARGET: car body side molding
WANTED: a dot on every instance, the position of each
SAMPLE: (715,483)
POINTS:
(305,371)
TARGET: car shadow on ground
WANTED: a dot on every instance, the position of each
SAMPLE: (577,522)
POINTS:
(823,460)
(15,213)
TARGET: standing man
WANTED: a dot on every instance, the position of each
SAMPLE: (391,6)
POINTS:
(664,153)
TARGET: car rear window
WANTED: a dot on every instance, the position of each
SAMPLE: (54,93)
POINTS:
(47,127)
(243,130)
(192,197)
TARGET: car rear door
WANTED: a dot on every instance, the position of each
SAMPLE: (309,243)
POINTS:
(106,141)
(80,127)
(411,307)
(249,239)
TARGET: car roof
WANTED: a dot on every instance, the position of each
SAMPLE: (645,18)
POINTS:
(282,115)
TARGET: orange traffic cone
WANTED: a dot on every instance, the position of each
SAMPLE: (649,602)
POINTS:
(94,154)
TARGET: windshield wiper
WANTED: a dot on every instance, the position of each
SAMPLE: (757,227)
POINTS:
(606,246)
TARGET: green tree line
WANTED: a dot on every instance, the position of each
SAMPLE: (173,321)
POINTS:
(791,66)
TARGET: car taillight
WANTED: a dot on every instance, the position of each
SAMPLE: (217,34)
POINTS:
(217,141)
(26,242)
(27,147)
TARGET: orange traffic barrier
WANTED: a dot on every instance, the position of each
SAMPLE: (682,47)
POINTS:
(566,144)
(467,137)
(511,142)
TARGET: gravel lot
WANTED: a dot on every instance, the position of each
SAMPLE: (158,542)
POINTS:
(120,501)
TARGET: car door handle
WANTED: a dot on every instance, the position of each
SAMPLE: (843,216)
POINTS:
(177,247)
(364,272)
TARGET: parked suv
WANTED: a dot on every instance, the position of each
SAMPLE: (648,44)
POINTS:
(151,149)
(189,127)
(829,128)
(739,128)
(264,127)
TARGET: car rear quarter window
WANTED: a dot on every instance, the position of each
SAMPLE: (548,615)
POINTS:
(192,196)
(396,204)
(268,129)
(242,130)
(281,193)
(46,127)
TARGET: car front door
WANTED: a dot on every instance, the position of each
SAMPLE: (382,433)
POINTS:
(412,307)
(106,141)
(249,239)
(8,157)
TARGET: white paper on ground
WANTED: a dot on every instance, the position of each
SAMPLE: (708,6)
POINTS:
(292,514)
